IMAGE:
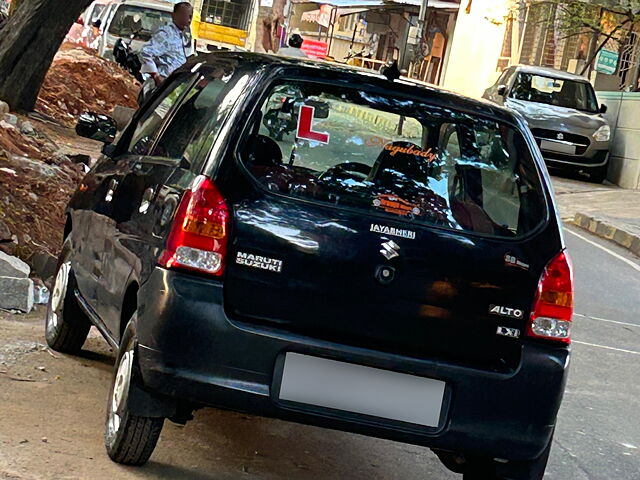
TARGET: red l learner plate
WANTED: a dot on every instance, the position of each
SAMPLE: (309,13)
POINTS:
(359,389)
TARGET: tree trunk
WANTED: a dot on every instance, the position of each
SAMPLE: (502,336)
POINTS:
(269,18)
(14,6)
(29,41)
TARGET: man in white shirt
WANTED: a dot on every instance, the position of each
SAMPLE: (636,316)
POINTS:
(167,49)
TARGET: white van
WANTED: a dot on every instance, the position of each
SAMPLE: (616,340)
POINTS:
(127,18)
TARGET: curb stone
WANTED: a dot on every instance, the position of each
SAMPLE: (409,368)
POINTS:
(605,229)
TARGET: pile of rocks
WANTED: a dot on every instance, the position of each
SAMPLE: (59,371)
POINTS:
(16,288)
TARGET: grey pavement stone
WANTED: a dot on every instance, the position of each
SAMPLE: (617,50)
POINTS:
(26,128)
(44,265)
(610,229)
(16,294)
(13,267)
(11,119)
(608,211)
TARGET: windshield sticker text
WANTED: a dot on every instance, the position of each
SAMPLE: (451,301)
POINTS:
(396,205)
(396,232)
(410,150)
(258,261)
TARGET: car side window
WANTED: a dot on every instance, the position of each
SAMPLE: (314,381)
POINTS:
(198,119)
(502,79)
(194,124)
(150,124)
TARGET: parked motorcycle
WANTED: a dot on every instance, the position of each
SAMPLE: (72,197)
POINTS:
(126,58)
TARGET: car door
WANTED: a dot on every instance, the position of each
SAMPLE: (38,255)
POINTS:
(151,189)
(132,182)
(90,208)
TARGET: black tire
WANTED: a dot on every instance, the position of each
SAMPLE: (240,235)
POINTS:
(66,325)
(598,175)
(522,470)
(129,439)
(480,469)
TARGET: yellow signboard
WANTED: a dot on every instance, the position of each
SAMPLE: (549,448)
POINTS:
(218,33)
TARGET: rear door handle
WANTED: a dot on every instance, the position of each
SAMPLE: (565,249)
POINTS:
(111,189)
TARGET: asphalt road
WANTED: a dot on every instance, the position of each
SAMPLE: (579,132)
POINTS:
(52,408)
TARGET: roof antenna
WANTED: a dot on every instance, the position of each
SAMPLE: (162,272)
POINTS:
(391,71)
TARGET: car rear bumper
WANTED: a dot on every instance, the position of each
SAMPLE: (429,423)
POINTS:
(190,350)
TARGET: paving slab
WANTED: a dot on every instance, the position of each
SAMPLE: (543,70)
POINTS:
(605,210)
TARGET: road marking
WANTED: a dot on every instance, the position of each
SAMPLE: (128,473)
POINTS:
(605,347)
(607,320)
(619,257)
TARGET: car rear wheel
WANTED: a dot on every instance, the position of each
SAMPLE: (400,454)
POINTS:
(66,325)
(130,439)
(488,469)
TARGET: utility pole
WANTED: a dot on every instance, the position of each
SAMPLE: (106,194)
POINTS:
(421,30)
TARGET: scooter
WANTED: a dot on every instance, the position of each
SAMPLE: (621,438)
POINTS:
(124,56)
(127,59)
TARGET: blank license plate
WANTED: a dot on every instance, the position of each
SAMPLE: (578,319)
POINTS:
(557,147)
(359,389)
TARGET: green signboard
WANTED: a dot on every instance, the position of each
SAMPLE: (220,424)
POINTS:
(607,62)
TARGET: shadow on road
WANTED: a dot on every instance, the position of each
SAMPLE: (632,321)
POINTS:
(164,471)
(103,359)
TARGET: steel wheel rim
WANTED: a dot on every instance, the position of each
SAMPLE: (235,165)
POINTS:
(58,295)
(119,394)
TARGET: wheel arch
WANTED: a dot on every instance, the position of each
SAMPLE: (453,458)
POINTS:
(129,305)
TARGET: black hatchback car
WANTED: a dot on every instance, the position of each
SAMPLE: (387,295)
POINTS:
(328,246)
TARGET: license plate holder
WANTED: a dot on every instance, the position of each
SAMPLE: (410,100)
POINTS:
(358,389)
(557,147)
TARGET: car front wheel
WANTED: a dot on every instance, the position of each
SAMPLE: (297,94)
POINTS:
(130,439)
(66,325)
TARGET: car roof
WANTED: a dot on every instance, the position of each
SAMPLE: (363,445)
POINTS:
(359,76)
(551,72)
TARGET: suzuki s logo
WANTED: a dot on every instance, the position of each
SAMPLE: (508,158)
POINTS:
(390,250)
(560,136)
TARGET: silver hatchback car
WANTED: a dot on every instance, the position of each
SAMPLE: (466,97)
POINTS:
(563,114)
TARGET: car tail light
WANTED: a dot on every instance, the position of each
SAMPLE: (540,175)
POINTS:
(198,237)
(553,305)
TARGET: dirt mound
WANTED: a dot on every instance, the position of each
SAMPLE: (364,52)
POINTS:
(80,81)
(36,182)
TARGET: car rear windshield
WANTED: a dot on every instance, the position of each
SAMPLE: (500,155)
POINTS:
(395,157)
(139,21)
(554,91)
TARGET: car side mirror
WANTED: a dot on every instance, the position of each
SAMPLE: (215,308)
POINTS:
(502,90)
(97,127)
(603,108)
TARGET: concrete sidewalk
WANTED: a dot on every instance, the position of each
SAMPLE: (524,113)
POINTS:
(605,210)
